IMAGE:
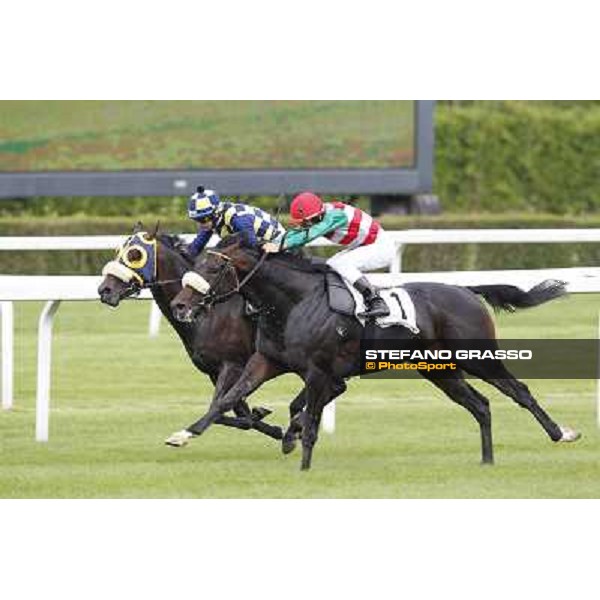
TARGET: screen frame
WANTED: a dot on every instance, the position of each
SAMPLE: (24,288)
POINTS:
(406,180)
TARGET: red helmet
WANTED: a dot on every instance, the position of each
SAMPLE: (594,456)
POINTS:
(305,207)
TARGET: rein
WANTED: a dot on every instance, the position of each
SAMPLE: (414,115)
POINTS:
(160,282)
(212,298)
(135,289)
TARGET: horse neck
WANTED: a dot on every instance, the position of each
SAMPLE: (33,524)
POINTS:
(280,286)
(170,268)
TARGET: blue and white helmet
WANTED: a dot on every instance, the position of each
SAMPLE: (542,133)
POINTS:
(202,203)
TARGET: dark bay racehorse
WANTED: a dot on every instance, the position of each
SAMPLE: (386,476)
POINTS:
(219,344)
(322,346)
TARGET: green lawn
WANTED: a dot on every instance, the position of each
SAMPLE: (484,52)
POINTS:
(105,135)
(116,394)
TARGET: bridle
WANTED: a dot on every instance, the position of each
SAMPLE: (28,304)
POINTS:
(135,289)
(137,283)
(212,297)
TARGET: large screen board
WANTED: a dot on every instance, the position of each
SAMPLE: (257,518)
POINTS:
(240,147)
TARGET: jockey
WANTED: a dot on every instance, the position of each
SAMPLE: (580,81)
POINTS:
(225,218)
(367,245)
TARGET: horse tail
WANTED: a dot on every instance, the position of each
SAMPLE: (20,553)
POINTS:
(510,298)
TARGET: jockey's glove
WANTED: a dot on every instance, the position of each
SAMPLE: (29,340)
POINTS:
(270,247)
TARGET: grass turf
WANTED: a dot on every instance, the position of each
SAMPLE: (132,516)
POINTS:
(116,394)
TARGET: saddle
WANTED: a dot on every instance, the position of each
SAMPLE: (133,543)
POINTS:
(345,300)
(339,297)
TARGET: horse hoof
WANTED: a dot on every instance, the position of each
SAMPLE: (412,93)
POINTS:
(179,439)
(569,435)
(288,445)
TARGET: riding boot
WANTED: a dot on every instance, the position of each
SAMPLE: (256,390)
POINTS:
(374,304)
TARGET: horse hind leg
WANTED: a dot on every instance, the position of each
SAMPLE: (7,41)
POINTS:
(459,391)
(484,418)
(292,433)
(498,375)
(319,390)
(294,430)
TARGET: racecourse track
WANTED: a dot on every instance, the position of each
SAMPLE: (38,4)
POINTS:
(116,394)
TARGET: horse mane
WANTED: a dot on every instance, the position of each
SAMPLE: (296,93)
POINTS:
(170,239)
(295,259)
(300,262)
(174,242)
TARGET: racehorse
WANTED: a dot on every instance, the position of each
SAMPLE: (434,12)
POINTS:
(322,347)
(219,344)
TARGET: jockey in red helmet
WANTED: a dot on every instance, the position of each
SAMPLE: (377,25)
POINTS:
(367,245)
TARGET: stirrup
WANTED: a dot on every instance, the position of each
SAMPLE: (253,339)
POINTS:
(375,312)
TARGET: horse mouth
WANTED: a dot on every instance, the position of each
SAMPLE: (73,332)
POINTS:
(184,314)
(110,299)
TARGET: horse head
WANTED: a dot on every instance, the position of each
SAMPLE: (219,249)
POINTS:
(217,275)
(136,266)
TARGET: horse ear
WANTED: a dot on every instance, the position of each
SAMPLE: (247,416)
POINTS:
(138,227)
(154,233)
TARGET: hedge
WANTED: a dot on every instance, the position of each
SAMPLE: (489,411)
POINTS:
(533,156)
(416,258)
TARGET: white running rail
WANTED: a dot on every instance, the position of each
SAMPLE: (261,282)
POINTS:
(401,239)
(54,289)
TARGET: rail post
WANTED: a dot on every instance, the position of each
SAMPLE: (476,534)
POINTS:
(154,320)
(6,308)
(396,266)
(42,405)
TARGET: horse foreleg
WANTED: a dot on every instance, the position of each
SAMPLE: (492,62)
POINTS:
(258,369)
(245,418)
(227,375)
(246,423)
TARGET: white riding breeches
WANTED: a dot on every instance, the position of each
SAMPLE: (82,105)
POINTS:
(350,264)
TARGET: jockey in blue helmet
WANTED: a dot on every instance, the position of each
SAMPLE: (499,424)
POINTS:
(224,218)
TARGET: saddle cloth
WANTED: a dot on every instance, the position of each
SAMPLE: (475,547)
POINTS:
(346,300)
